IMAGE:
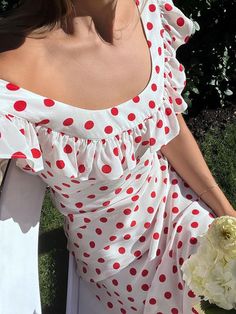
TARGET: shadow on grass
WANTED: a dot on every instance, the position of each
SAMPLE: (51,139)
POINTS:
(53,264)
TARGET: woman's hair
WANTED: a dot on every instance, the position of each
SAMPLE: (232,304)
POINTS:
(21,18)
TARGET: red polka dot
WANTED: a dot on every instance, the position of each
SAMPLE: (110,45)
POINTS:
(167,295)
(156,236)
(174,269)
(174,311)
(181,67)
(163,167)
(144,272)
(127,211)
(45,121)
(152,7)
(119,225)
(36,153)
(79,205)
(108,129)
(175,195)
(195,211)
(159,124)
(110,305)
(154,87)
(20,105)
(103,219)
(152,301)
(89,125)
(114,111)
(179,244)
(152,104)
(60,164)
(121,250)
(193,240)
(129,190)
(145,287)
(136,99)
(150,210)
(12,87)
(191,294)
(179,229)
(18,155)
(106,169)
(116,265)
(175,210)
(79,235)
(127,236)
(137,253)
(49,102)
(180,21)
(133,271)
(168,7)
(68,149)
(147,225)
(157,69)
(180,286)
(81,168)
(162,278)
(178,101)
(98,231)
(68,122)
(115,282)
(168,111)
(129,288)
(142,239)
(194,224)
(92,244)
(186,39)
(167,130)
(131,117)
(149,26)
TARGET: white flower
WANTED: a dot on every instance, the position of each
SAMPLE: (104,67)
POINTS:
(211,271)
(222,235)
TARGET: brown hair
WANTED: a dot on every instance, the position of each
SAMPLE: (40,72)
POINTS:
(35,18)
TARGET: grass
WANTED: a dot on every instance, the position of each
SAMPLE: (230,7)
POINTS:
(219,150)
(53,260)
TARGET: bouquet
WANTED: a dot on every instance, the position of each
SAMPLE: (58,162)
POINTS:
(211,271)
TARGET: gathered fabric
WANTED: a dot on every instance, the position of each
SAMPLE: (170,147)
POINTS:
(129,218)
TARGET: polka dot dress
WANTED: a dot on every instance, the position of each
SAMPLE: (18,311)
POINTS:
(130,219)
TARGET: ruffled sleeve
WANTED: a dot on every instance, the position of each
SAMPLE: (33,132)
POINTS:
(18,140)
(176,31)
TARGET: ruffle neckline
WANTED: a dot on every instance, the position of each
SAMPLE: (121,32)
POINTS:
(37,147)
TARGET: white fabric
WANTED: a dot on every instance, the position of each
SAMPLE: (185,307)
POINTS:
(20,206)
(80,299)
(130,219)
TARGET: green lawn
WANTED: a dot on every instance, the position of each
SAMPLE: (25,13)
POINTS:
(219,150)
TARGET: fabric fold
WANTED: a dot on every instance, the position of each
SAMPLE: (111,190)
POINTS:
(177,29)
(18,140)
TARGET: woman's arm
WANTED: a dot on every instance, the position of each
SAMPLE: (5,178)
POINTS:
(184,154)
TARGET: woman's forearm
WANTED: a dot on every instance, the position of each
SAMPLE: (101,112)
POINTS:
(184,154)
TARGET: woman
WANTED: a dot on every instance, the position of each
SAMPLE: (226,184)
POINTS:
(94,108)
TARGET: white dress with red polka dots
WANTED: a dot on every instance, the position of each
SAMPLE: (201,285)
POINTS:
(130,219)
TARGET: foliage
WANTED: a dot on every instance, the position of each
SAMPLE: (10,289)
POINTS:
(209,56)
(53,259)
(219,150)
